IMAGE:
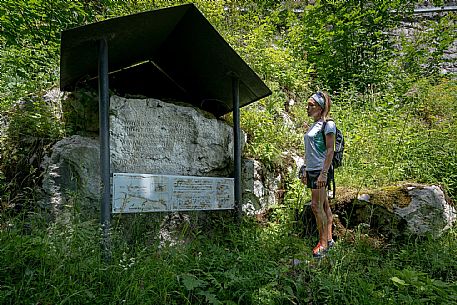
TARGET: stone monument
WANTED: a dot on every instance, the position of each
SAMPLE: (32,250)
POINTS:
(148,138)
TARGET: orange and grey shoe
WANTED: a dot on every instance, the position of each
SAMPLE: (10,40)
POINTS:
(330,244)
(319,251)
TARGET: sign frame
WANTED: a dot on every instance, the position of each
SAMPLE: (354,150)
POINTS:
(141,193)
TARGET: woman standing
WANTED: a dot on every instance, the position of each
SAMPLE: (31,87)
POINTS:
(318,157)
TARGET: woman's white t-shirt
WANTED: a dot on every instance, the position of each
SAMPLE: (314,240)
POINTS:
(315,149)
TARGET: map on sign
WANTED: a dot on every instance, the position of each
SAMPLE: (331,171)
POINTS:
(134,193)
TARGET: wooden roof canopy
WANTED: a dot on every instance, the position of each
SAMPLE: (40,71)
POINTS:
(171,53)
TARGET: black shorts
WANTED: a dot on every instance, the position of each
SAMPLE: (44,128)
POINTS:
(311,178)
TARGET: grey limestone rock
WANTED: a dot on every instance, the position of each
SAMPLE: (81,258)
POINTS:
(154,137)
(260,187)
(428,212)
(398,211)
(72,168)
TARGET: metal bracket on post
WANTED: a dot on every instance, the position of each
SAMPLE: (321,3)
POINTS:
(237,144)
(103,94)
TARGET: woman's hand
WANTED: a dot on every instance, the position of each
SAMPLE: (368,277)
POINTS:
(322,180)
(302,174)
(303,179)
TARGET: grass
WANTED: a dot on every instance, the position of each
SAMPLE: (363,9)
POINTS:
(228,264)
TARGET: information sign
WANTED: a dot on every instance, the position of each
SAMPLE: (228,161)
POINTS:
(134,193)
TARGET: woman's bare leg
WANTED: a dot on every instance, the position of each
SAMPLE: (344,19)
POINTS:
(329,216)
(317,205)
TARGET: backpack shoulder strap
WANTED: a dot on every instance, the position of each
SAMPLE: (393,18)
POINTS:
(323,132)
(332,180)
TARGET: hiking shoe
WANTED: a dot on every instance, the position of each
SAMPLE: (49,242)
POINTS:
(295,262)
(330,244)
(319,251)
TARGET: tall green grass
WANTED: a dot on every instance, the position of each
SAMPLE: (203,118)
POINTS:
(223,263)
(400,137)
(391,135)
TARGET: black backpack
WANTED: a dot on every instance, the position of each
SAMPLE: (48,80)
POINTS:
(338,153)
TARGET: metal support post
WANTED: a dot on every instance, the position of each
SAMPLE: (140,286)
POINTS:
(237,144)
(103,94)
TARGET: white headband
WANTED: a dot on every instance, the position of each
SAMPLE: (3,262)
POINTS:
(319,98)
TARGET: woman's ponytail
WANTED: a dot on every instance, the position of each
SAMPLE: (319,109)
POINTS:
(328,104)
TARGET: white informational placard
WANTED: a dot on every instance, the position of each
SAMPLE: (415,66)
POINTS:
(137,193)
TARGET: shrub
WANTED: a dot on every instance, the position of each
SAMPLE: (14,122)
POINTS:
(31,130)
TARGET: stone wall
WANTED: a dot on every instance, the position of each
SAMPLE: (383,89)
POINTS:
(420,23)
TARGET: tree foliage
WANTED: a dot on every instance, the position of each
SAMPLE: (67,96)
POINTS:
(348,42)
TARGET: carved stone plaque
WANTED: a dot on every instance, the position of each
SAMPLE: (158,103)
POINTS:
(134,193)
(148,136)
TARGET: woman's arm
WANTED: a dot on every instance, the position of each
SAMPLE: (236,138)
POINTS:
(330,144)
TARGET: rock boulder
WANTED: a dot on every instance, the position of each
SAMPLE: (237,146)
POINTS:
(146,136)
(391,213)
(154,137)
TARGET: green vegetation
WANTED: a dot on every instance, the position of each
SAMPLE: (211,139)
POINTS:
(223,264)
(398,115)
